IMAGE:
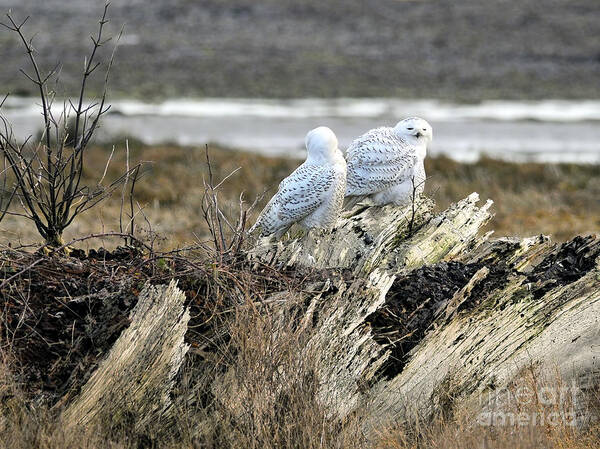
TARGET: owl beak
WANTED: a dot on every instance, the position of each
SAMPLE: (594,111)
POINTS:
(419,134)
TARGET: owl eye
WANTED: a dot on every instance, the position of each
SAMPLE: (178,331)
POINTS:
(410,129)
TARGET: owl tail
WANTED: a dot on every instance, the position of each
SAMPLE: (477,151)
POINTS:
(351,201)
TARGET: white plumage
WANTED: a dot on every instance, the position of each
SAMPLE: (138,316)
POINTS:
(313,195)
(386,164)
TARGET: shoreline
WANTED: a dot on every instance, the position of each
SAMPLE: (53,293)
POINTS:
(550,131)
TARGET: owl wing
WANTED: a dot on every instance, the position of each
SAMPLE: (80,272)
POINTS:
(300,194)
(377,160)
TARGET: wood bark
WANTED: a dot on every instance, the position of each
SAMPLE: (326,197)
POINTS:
(137,376)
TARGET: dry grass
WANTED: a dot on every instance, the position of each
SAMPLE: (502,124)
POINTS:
(268,397)
(261,393)
(537,410)
(559,200)
(258,391)
(169,192)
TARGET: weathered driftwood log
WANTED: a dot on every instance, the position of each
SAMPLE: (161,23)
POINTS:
(441,303)
(530,303)
(416,304)
(375,243)
(138,374)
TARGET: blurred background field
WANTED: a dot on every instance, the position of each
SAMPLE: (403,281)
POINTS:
(464,50)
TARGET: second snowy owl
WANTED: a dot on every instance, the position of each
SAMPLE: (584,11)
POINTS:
(386,164)
(313,194)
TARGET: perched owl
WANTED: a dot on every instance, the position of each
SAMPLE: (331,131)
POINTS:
(313,195)
(386,164)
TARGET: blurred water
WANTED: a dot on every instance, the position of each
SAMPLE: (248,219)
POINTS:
(545,131)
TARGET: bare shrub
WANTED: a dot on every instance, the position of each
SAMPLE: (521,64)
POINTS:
(48,173)
(227,241)
(6,194)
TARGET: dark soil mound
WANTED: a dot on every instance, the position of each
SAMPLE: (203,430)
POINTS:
(60,316)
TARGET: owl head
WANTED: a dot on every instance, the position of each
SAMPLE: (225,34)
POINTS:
(415,129)
(321,141)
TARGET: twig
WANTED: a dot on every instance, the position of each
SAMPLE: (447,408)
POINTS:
(414,207)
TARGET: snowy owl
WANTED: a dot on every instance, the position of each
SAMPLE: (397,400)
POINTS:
(386,164)
(313,195)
